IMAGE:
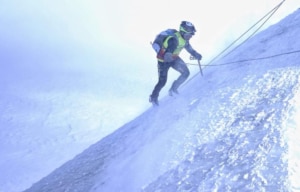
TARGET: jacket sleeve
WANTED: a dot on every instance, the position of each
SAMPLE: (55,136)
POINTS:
(192,51)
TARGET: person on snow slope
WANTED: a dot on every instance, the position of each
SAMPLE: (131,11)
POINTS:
(168,56)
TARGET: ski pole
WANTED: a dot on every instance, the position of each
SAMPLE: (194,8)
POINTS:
(200,68)
(193,58)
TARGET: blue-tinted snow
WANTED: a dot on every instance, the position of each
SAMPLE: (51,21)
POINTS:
(234,129)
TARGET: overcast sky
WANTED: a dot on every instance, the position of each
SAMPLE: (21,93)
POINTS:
(113,25)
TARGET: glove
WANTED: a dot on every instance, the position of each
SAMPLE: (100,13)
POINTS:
(198,56)
(168,57)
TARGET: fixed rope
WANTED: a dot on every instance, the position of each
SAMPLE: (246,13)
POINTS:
(268,15)
(255,59)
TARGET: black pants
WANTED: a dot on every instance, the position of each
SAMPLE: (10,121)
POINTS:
(163,68)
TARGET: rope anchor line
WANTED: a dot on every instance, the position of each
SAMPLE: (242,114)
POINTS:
(270,13)
(255,59)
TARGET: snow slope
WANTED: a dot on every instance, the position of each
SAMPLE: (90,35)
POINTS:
(234,129)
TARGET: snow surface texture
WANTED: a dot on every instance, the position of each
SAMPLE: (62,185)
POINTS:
(234,129)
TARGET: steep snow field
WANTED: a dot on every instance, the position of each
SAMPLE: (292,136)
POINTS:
(234,129)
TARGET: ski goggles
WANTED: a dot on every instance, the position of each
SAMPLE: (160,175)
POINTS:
(185,31)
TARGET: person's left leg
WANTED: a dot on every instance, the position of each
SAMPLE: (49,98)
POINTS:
(181,67)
